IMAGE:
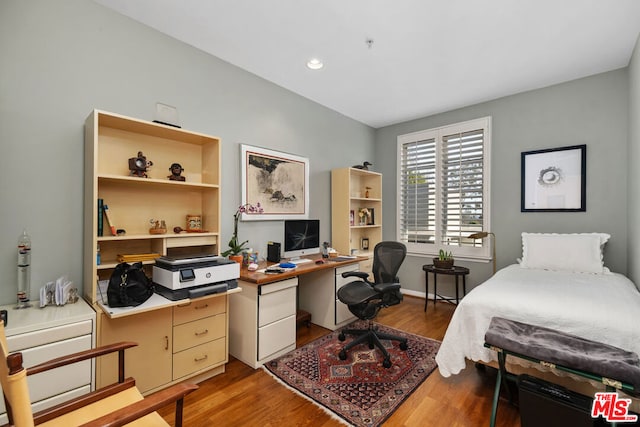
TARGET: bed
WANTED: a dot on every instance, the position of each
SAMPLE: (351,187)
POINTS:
(560,283)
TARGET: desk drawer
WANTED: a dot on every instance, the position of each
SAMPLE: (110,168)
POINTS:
(200,357)
(199,308)
(277,301)
(276,336)
(198,332)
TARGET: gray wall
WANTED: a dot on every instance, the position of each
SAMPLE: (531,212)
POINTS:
(591,111)
(633,159)
(62,59)
(59,60)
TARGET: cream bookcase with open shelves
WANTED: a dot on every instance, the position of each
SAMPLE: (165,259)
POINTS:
(110,141)
(353,189)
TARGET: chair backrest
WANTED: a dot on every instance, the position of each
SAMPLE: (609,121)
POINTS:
(14,384)
(388,256)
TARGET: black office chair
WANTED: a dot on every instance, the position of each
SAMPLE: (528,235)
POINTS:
(365,299)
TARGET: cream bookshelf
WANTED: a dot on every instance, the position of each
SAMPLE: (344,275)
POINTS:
(351,190)
(110,141)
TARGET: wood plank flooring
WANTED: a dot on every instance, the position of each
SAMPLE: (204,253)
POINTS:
(243,396)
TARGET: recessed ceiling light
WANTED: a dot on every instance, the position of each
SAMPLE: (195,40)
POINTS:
(315,64)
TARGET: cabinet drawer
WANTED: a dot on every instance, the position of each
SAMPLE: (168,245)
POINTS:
(191,241)
(200,357)
(59,380)
(198,332)
(276,301)
(276,336)
(199,309)
(49,335)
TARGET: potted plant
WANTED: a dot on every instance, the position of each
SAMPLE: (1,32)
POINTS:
(235,249)
(444,260)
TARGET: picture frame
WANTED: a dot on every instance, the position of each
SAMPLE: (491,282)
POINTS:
(554,179)
(371,220)
(352,217)
(364,243)
(278,181)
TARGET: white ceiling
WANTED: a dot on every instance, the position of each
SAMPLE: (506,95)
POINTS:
(427,56)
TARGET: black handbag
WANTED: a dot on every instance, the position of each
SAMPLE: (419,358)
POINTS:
(128,286)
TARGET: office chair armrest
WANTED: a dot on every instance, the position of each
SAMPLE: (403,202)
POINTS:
(150,404)
(360,274)
(386,287)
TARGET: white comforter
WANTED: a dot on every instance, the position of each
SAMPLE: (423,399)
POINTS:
(600,307)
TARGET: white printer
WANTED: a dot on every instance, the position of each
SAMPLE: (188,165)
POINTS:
(177,278)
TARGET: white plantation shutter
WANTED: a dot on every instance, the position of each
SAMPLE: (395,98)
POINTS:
(462,184)
(443,189)
(417,191)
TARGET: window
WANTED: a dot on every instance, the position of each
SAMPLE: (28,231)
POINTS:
(443,189)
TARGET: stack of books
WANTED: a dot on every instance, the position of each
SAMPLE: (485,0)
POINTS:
(137,257)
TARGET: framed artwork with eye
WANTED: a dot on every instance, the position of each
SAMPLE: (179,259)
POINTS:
(554,180)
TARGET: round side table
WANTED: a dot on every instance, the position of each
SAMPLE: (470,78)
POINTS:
(454,271)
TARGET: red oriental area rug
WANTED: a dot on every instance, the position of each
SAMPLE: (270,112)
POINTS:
(359,390)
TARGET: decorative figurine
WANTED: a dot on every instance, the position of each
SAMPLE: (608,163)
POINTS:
(139,165)
(159,226)
(364,166)
(176,169)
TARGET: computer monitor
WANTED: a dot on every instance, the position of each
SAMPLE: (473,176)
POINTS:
(301,237)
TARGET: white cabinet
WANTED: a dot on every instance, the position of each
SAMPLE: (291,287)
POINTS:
(47,333)
(262,321)
(318,296)
(343,315)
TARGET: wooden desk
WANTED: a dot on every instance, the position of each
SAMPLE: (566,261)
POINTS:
(262,318)
(309,267)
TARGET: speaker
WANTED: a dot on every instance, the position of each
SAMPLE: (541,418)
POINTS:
(273,252)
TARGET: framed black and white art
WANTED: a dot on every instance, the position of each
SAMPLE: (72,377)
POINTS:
(278,181)
(554,180)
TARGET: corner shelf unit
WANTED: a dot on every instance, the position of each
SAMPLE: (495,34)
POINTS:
(351,190)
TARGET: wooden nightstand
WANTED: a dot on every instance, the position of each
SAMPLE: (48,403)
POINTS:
(454,271)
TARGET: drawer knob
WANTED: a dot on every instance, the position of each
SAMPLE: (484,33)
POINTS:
(200,359)
(206,331)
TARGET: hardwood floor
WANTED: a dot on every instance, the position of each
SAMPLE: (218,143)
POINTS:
(243,396)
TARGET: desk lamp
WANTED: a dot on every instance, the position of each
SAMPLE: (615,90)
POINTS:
(482,235)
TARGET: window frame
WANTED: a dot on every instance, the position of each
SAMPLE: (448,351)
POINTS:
(480,249)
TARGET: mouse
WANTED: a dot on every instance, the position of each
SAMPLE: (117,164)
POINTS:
(320,261)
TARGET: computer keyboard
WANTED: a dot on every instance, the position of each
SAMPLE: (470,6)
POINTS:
(300,261)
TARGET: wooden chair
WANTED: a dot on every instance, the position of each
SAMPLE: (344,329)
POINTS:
(113,405)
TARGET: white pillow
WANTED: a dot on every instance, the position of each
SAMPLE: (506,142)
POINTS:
(580,253)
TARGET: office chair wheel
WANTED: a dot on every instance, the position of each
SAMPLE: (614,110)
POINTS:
(341,337)
(386,363)
(403,346)
(342,355)
(371,346)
